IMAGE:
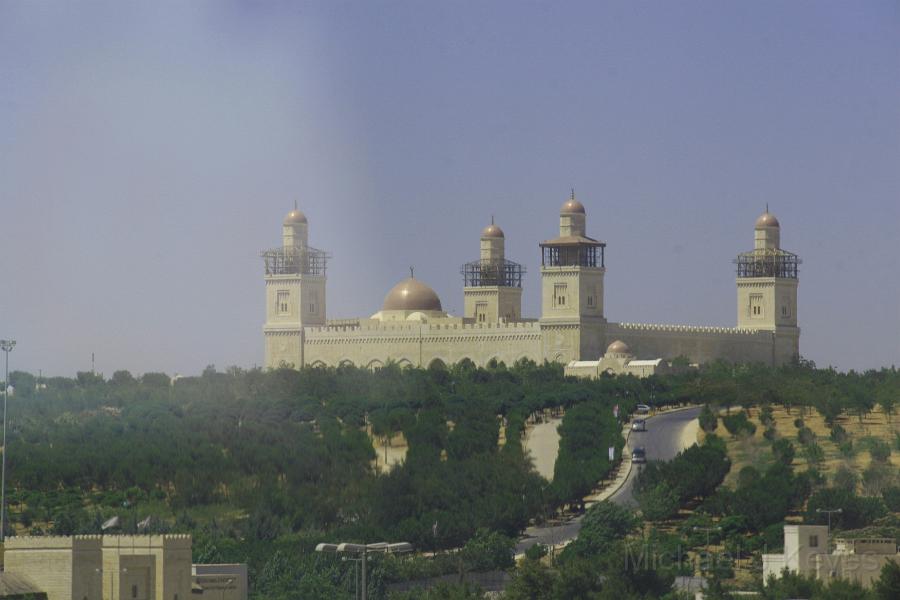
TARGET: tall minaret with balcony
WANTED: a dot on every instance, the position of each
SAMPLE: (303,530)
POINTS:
(572,270)
(295,292)
(492,285)
(767,289)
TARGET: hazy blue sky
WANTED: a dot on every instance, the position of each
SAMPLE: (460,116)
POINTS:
(149,151)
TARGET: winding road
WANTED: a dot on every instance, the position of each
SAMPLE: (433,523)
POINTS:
(662,441)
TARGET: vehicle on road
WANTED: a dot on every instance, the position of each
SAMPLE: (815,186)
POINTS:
(639,425)
(639,455)
(642,409)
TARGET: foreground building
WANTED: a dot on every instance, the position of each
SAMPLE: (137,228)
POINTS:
(806,552)
(116,567)
(413,329)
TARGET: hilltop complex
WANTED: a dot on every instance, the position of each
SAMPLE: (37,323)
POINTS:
(411,328)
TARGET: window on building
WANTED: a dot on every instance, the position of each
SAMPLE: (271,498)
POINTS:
(756,305)
(134,591)
(313,302)
(559,294)
(785,307)
(282,298)
(590,301)
(813,541)
(481,312)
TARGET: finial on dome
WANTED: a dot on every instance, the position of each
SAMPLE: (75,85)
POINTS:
(295,204)
(412,274)
(573,194)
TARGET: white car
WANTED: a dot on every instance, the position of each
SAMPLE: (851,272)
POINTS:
(639,425)
(639,455)
(642,409)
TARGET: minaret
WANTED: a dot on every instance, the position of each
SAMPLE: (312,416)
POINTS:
(492,285)
(767,289)
(572,270)
(295,292)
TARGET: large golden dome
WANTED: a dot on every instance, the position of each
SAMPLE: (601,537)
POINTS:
(767,219)
(492,231)
(571,206)
(294,217)
(411,294)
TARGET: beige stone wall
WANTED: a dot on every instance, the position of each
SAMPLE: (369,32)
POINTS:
(159,565)
(699,344)
(228,582)
(419,344)
(571,292)
(47,561)
(776,297)
(283,346)
(495,302)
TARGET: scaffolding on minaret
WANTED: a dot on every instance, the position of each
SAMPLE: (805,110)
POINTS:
(297,260)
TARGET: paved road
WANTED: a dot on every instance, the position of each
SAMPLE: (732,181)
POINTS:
(662,441)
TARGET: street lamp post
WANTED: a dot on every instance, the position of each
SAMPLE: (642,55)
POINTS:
(708,530)
(827,511)
(362,550)
(6,346)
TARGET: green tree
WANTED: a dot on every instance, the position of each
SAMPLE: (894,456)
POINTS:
(888,585)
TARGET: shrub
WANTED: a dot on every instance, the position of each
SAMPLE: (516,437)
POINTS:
(783,451)
(813,453)
(766,416)
(489,550)
(880,451)
(857,512)
(846,478)
(806,436)
(891,497)
(798,423)
(536,552)
(708,419)
(769,434)
(876,478)
(847,449)
(838,434)
(738,424)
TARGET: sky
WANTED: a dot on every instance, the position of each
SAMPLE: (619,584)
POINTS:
(150,150)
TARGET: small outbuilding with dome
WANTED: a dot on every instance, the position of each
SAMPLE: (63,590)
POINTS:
(618,360)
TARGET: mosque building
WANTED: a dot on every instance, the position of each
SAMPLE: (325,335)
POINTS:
(412,328)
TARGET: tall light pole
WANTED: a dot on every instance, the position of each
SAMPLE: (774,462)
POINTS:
(6,346)
(361,550)
(829,512)
(708,530)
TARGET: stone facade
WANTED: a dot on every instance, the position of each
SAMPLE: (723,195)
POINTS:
(572,325)
(118,567)
(807,552)
(142,567)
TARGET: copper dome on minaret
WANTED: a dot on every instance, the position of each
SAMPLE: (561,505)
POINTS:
(571,206)
(492,231)
(294,217)
(767,219)
(411,294)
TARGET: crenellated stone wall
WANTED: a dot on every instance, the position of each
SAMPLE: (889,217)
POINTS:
(698,344)
(420,344)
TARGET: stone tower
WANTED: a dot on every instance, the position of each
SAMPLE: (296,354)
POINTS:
(572,269)
(295,292)
(492,285)
(767,289)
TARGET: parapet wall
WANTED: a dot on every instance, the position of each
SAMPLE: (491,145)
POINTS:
(420,344)
(698,344)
